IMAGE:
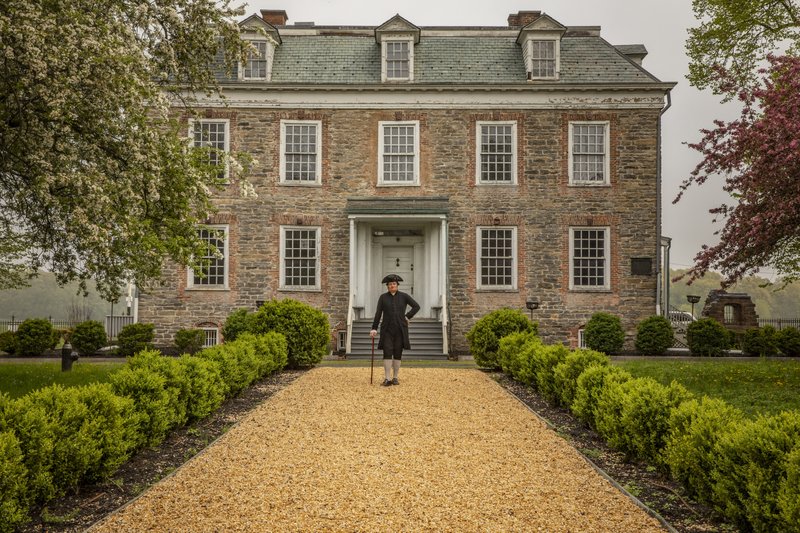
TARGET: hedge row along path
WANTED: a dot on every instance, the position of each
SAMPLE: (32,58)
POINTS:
(447,450)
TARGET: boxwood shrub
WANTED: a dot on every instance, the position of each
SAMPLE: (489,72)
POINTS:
(787,339)
(189,340)
(789,491)
(510,349)
(654,335)
(588,387)
(8,342)
(13,484)
(484,337)
(566,373)
(760,342)
(545,361)
(306,329)
(707,337)
(206,390)
(88,337)
(34,336)
(176,384)
(134,338)
(237,323)
(604,333)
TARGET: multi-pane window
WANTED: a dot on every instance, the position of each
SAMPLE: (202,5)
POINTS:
(214,270)
(300,258)
(213,136)
(497,152)
(589,153)
(589,258)
(543,59)
(398,60)
(301,155)
(497,263)
(255,68)
(212,337)
(399,149)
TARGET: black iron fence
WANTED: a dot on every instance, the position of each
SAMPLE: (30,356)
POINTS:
(112,324)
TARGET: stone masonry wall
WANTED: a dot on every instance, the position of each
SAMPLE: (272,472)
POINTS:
(542,206)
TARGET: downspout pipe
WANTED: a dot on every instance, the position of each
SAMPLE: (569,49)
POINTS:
(660,291)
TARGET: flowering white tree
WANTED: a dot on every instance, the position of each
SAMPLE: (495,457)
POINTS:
(97,179)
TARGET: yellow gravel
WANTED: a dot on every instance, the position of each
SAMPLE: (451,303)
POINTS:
(447,450)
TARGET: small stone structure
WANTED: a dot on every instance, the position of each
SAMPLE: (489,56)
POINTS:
(736,311)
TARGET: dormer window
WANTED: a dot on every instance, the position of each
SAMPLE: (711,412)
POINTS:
(258,61)
(397,38)
(543,59)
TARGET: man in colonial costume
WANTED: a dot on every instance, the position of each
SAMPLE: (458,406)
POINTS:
(394,326)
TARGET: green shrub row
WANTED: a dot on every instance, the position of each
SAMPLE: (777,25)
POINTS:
(54,439)
(749,470)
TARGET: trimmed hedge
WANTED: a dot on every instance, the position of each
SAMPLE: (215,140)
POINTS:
(88,337)
(707,337)
(760,341)
(33,337)
(565,374)
(54,439)
(604,333)
(134,338)
(654,335)
(189,340)
(484,337)
(788,340)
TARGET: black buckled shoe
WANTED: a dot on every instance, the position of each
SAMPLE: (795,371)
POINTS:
(386,383)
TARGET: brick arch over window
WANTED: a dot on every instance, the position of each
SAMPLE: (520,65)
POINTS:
(213,331)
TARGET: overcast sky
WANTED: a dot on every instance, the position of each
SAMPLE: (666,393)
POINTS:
(660,25)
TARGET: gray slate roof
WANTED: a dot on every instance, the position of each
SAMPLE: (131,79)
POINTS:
(462,60)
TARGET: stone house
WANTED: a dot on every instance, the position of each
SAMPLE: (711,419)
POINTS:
(514,166)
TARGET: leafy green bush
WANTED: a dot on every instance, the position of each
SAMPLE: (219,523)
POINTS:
(510,348)
(190,340)
(707,337)
(524,368)
(88,337)
(604,333)
(654,335)
(237,323)
(306,329)
(788,340)
(484,337)
(13,484)
(690,449)
(565,374)
(272,350)
(634,415)
(760,342)
(588,387)
(135,337)
(206,387)
(34,336)
(545,361)
(151,402)
(751,469)
(8,342)
(176,384)
(789,491)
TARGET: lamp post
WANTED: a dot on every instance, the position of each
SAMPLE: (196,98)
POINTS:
(531,305)
(693,299)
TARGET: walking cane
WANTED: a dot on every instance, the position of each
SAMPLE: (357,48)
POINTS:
(372,361)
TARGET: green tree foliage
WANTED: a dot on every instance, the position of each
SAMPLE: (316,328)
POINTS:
(95,175)
(736,35)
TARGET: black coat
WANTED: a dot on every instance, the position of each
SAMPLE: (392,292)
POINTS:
(393,311)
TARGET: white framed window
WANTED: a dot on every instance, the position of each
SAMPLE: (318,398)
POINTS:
(582,338)
(398,153)
(497,257)
(589,153)
(398,59)
(300,251)
(258,65)
(543,59)
(212,337)
(496,149)
(214,275)
(589,254)
(212,134)
(301,153)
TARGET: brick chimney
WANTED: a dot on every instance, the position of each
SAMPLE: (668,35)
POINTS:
(522,18)
(276,17)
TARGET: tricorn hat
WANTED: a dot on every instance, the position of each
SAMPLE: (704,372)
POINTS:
(391,277)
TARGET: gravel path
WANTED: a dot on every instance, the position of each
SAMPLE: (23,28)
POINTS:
(447,450)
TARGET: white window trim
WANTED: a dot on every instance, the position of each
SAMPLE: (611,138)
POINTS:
(269,57)
(529,57)
(318,177)
(397,38)
(607,253)
(514,260)
(282,259)
(607,148)
(190,272)
(478,175)
(215,330)
(413,183)
(582,338)
(227,148)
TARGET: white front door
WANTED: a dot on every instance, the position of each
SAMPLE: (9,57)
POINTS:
(400,260)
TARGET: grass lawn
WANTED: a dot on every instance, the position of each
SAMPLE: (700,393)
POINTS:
(17,379)
(765,386)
